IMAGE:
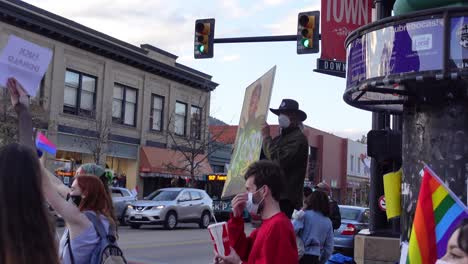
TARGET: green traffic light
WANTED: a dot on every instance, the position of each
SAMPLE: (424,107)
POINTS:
(306,43)
(201,48)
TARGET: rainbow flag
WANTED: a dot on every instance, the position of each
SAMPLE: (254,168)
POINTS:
(44,144)
(438,213)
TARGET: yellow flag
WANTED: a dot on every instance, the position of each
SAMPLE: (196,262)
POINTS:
(392,190)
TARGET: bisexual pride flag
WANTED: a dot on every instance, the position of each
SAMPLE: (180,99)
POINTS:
(44,144)
(438,213)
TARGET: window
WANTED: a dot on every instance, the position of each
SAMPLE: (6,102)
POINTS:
(157,113)
(180,119)
(359,165)
(196,196)
(185,196)
(79,94)
(124,105)
(352,163)
(116,193)
(195,125)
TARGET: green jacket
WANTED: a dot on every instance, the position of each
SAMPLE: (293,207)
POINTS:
(290,150)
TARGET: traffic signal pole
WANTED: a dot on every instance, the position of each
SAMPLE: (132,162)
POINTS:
(256,39)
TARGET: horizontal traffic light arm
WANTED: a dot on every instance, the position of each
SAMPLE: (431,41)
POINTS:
(257,39)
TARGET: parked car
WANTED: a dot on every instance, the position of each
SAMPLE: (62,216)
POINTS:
(353,220)
(170,206)
(223,208)
(121,198)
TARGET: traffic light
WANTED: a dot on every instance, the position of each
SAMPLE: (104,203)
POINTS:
(204,35)
(308,32)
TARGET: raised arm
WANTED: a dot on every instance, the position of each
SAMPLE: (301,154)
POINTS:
(20,101)
(75,220)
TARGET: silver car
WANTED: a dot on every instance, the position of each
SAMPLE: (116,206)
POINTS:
(170,206)
(121,198)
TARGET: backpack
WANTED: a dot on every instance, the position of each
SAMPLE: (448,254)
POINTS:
(335,215)
(107,251)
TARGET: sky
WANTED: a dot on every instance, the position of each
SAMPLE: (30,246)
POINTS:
(169,25)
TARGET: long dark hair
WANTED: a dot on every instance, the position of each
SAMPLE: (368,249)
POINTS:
(318,201)
(26,234)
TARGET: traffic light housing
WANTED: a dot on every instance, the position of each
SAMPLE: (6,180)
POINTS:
(308,32)
(204,35)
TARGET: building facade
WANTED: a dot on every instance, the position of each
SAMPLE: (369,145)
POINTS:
(105,99)
(358,174)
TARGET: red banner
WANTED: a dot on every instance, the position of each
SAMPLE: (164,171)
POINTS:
(338,19)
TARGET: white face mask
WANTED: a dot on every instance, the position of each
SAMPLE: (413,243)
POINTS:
(283,121)
(252,207)
(439,261)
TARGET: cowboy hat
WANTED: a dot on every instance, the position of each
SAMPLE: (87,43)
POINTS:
(289,105)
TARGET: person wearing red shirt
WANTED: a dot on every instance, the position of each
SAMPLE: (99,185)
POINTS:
(274,242)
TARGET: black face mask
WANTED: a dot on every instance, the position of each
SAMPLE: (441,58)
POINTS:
(76,199)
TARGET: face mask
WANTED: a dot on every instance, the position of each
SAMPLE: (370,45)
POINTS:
(252,207)
(76,199)
(283,121)
(439,261)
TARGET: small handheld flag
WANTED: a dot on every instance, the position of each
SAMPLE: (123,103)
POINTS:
(44,144)
(438,213)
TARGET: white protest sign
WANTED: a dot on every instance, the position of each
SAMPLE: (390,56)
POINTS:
(25,61)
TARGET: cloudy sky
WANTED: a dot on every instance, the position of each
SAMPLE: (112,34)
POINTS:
(169,25)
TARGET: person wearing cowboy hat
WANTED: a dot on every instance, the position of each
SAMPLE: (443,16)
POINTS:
(289,150)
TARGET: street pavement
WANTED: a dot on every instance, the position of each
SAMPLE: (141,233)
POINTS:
(152,244)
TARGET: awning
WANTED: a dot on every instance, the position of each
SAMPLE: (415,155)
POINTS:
(168,163)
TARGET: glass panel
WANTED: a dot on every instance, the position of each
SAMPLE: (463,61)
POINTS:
(162,195)
(130,96)
(72,79)
(179,125)
(181,109)
(69,97)
(118,92)
(88,84)
(129,118)
(87,100)
(184,197)
(157,102)
(156,120)
(117,108)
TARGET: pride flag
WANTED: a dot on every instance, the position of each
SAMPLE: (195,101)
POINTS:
(438,213)
(44,144)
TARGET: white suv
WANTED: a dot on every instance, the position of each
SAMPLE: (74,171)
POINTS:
(170,206)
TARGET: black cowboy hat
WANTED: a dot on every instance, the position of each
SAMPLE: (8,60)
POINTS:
(289,105)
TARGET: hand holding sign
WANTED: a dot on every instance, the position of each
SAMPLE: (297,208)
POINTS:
(25,61)
(17,92)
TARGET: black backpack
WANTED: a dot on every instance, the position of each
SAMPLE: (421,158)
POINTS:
(335,215)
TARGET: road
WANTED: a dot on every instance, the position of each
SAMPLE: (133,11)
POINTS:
(186,244)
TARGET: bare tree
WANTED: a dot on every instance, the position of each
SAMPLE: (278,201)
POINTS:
(9,119)
(363,139)
(95,138)
(196,147)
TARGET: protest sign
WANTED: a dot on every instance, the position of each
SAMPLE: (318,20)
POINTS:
(248,144)
(25,61)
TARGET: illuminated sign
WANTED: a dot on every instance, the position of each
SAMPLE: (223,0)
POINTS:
(217,177)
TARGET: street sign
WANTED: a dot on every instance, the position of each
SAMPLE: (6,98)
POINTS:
(331,67)
(382,203)
(339,18)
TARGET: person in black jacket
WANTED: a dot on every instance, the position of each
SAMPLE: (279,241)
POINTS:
(335,215)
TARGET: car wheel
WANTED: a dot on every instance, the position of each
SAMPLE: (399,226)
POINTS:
(171,221)
(135,226)
(205,220)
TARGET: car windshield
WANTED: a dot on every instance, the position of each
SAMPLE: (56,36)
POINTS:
(349,213)
(163,195)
